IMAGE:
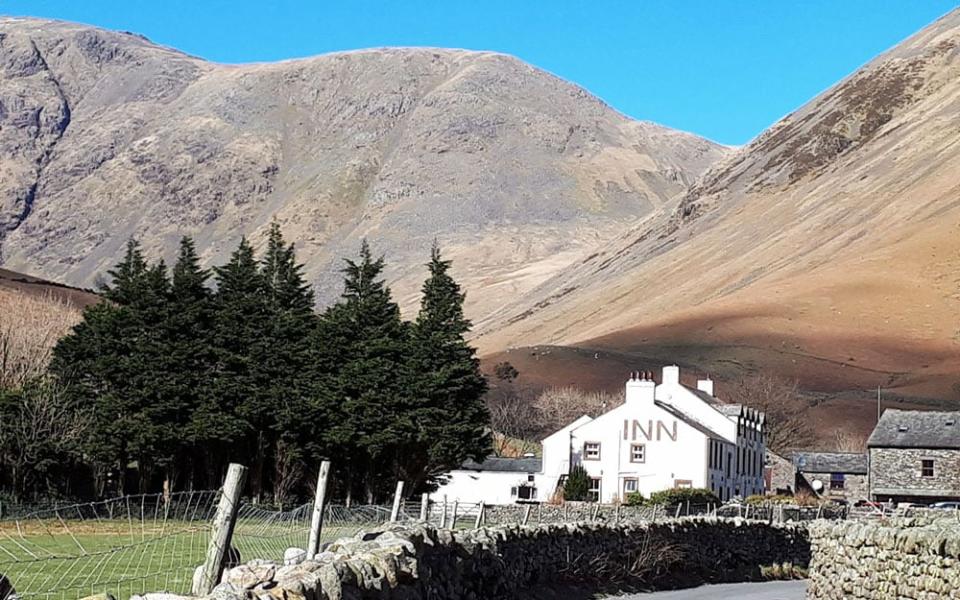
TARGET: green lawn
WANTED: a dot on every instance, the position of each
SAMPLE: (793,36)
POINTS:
(64,560)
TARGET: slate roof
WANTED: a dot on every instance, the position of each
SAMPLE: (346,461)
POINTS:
(916,429)
(505,465)
(702,395)
(691,421)
(831,462)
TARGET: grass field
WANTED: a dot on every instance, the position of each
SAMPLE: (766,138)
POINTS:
(64,560)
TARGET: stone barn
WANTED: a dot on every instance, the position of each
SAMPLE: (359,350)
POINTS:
(915,457)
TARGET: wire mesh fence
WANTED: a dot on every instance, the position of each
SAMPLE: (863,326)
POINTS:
(122,546)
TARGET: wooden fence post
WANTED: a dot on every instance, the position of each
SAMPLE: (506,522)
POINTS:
(319,501)
(222,530)
(526,515)
(443,515)
(479,520)
(616,517)
(540,514)
(397,497)
(424,507)
(453,517)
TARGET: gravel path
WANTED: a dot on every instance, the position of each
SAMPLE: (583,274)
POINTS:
(775,590)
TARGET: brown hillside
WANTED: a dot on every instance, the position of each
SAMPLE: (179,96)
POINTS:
(827,249)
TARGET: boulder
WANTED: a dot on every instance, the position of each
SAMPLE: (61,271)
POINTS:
(294,556)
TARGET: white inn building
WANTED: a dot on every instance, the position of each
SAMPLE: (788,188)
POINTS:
(663,436)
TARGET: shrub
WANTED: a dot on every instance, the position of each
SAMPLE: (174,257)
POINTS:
(577,486)
(695,496)
(758,499)
(634,499)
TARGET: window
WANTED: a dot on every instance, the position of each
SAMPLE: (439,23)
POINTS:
(527,492)
(629,485)
(836,481)
(591,451)
(926,467)
(531,478)
(638,453)
(594,493)
(682,484)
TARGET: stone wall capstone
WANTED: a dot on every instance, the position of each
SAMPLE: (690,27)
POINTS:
(417,561)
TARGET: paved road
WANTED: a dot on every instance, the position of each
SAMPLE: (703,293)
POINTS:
(775,590)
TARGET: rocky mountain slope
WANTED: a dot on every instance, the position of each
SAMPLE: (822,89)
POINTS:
(518,173)
(827,249)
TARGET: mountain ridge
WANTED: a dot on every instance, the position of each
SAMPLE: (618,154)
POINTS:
(516,171)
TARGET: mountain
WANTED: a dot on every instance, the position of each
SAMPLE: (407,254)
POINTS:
(827,249)
(516,172)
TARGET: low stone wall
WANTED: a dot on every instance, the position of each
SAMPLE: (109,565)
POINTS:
(916,558)
(418,561)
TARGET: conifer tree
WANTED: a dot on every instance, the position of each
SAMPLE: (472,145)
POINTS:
(190,353)
(113,362)
(451,417)
(361,349)
(234,398)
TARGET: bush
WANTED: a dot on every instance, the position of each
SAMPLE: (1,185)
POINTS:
(634,499)
(695,496)
(577,486)
(760,499)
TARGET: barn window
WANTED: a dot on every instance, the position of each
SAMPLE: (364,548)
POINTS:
(638,453)
(591,451)
(926,467)
(836,481)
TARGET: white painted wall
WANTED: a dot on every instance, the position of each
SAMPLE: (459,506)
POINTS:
(490,487)
(675,425)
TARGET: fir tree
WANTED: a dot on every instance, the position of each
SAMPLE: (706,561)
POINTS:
(577,486)
(451,417)
(360,350)
(234,400)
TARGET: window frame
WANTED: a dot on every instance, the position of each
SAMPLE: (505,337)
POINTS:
(923,467)
(838,481)
(643,451)
(636,485)
(586,455)
(598,491)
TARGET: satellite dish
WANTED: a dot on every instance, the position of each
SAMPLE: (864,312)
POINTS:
(817,485)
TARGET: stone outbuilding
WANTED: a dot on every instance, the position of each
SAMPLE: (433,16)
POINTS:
(915,456)
(833,475)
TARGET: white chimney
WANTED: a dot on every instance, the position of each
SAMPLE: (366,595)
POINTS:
(640,388)
(705,385)
(671,374)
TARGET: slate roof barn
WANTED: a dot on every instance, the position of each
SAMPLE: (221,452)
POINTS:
(831,462)
(917,429)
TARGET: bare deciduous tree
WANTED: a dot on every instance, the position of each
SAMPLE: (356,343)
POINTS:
(847,441)
(558,407)
(788,425)
(515,423)
(29,328)
(40,429)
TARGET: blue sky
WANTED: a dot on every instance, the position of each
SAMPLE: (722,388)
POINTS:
(725,69)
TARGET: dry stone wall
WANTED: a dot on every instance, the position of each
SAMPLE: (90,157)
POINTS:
(418,561)
(916,559)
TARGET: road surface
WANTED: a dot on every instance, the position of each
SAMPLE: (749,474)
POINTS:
(774,590)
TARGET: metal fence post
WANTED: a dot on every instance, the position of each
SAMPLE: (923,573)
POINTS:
(453,517)
(319,499)
(443,515)
(222,532)
(397,496)
(424,507)
(526,515)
